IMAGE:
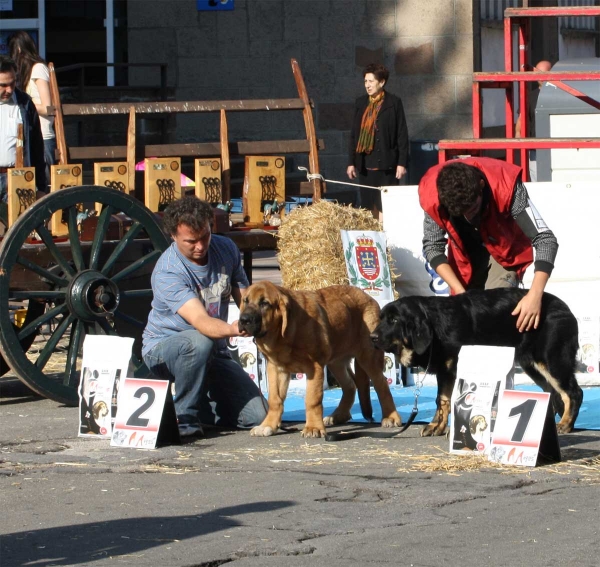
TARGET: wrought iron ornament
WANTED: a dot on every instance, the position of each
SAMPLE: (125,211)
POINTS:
(212,188)
(166,190)
(26,199)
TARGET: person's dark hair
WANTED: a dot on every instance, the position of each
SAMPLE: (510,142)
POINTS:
(7,65)
(458,185)
(25,54)
(380,72)
(188,210)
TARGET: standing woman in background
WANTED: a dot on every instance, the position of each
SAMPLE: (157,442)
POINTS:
(378,152)
(33,77)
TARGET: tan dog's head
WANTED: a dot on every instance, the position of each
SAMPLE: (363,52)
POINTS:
(264,310)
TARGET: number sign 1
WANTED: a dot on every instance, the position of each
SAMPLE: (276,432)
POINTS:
(145,414)
(525,432)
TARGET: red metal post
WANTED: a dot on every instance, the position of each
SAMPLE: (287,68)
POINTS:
(524,36)
(477,119)
(507,45)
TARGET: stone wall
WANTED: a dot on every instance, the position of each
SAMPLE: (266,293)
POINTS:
(245,53)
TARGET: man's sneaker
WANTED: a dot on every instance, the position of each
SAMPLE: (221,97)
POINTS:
(189,430)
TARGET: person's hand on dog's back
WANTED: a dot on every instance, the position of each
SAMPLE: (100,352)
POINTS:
(529,309)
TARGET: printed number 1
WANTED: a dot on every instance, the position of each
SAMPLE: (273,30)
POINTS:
(136,420)
(524,410)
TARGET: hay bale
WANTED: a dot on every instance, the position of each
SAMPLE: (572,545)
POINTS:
(310,250)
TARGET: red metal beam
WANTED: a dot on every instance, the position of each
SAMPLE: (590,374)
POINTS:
(581,96)
(551,12)
(528,76)
(519,143)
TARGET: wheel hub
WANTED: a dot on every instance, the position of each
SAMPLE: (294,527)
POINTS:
(92,296)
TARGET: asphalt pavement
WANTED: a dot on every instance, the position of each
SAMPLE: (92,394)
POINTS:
(229,498)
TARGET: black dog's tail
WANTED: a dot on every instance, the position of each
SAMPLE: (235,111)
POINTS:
(363,386)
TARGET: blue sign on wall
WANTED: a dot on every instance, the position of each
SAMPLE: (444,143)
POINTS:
(211,5)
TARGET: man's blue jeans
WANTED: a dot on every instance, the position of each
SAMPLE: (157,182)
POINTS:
(210,388)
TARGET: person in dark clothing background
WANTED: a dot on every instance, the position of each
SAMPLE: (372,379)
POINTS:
(378,150)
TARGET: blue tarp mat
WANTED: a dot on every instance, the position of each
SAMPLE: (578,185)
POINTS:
(589,414)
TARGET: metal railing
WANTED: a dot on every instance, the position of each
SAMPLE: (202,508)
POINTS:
(493,10)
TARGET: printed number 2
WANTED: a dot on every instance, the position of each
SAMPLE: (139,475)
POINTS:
(524,410)
(136,420)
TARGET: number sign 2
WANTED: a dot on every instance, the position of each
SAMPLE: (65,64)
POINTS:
(525,432)
(145,416)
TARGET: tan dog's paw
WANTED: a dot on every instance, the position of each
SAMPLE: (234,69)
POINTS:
(262,431)
(392,420)
(313,431)
(336,419)
(433,430)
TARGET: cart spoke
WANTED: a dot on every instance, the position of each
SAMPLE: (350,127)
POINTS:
(74,239)
(129,319)
(129,236)
(134,293)
(49,347)
(107,328)
(49,294)
(71,377)
(39,321)
(42,272)
(101,229)
(137,265)
(51,245)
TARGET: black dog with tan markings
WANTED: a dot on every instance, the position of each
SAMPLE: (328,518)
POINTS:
(430,331)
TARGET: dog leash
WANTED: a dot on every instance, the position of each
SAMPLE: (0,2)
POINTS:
(346,435)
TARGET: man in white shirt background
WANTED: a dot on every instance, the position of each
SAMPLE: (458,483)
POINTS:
(16,107)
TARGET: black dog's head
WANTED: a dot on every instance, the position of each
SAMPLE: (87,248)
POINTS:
(404,330)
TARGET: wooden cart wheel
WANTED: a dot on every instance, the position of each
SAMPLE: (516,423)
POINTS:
(97,286)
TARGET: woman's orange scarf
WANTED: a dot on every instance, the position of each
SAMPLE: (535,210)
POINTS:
(366,138)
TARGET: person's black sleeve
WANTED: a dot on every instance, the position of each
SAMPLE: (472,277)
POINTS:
(36,148)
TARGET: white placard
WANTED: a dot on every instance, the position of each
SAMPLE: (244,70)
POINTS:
(367,265)
(589,340)
(519,426)
(480,379)
(104,362)
(141,404)
(391,371)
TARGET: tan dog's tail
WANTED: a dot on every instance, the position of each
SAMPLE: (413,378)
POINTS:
(363,386)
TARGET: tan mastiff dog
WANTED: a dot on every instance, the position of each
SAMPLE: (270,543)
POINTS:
(302,331)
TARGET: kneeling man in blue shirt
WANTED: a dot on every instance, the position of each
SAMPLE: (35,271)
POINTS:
(184,339)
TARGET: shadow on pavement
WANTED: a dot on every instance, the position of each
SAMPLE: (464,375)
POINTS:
(83,544)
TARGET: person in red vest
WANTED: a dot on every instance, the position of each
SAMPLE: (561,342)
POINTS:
(480,209)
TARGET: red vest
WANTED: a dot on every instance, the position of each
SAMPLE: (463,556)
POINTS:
(501,235)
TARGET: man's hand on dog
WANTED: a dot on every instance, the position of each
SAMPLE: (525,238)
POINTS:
(239,332)
(529,310)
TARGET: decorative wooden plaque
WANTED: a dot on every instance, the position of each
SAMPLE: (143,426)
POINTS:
(61,177)
(208,180)
(114,174)
(21,191)
(264,183)
(162,178)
